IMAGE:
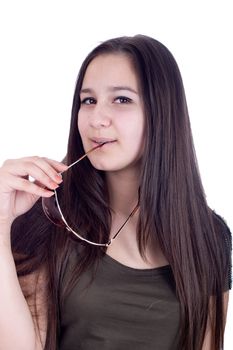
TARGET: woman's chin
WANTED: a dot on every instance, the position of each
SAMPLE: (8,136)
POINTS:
(103,167)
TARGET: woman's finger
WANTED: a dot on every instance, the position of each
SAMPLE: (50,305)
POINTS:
(21,184)
(28,168)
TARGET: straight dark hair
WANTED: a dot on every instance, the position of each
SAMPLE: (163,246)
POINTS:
(173,208)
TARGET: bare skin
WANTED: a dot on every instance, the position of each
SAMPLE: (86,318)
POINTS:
(123,198)
(17,195)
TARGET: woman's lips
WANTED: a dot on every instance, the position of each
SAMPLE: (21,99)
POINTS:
(99,141)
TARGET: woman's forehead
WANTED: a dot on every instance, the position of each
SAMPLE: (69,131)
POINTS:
(114,69)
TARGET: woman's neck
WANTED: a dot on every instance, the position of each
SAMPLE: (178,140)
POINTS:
(123,191)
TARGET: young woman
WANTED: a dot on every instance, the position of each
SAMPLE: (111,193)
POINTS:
(132,255)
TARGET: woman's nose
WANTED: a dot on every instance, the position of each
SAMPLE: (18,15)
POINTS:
(100,117)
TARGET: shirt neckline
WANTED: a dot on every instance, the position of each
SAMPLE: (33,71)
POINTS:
(115,264)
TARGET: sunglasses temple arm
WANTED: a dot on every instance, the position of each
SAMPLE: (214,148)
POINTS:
(131,214)
(83,156)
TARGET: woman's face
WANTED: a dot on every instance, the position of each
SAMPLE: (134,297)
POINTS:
(112,110)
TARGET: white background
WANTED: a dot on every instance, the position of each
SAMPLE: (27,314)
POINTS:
(42,44)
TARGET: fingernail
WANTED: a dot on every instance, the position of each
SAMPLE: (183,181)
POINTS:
(58,178)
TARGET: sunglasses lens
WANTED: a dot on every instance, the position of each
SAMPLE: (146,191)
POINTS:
(49,206)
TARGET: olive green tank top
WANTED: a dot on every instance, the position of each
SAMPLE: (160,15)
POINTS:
(121,308)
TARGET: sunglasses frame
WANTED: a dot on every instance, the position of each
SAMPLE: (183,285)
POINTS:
(66,225)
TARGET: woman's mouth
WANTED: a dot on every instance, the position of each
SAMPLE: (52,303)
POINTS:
(102,141)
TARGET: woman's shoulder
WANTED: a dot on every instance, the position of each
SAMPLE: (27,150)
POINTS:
(224,240)
(222,229)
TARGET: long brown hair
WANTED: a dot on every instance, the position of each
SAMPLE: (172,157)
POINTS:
(173,208)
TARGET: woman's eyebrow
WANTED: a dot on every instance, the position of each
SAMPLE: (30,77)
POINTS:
(111,88)
(128,88)
(87,91)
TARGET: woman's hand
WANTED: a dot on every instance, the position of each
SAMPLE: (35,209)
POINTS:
(17,193)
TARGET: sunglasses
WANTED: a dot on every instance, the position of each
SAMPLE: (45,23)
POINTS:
(53,211)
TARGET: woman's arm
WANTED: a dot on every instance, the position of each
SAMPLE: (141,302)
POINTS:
(18,194)
(34,286)
(17,328)
(207,344)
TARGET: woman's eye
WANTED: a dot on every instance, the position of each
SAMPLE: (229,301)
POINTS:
(122,99)
(88,101)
